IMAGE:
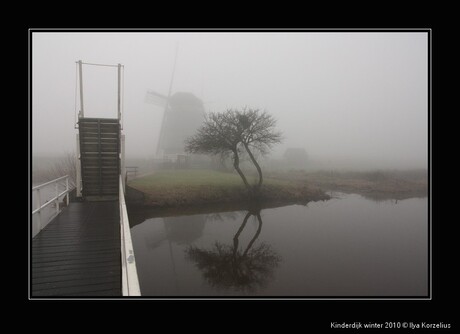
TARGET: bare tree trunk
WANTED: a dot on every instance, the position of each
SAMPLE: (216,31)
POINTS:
(235,244)
(254,161)
(237,235)
(236,164)
(255,236)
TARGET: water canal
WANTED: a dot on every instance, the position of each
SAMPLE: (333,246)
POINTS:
(347,246)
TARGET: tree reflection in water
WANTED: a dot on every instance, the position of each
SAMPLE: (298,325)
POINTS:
(229,267)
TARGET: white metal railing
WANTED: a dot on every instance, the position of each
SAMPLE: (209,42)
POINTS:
(55,200)
(129,279)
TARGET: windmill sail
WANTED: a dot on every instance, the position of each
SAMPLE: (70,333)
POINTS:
(182,115)
(155,98)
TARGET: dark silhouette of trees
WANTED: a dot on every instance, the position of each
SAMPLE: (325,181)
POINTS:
(234,132)
(64,165)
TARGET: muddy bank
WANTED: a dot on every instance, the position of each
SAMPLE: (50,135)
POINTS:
(199,198)
(140,209)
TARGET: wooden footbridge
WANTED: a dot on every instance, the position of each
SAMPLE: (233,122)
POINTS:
(86,248)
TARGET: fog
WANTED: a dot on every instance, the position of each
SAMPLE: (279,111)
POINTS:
(350,99)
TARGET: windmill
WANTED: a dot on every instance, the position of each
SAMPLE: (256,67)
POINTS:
(162,101)
(182,115)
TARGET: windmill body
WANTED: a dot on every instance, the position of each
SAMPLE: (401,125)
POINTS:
(183,115)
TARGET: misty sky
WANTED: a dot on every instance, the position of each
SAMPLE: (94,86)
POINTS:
(342,96)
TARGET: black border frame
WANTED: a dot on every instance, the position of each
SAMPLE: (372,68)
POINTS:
(239,30)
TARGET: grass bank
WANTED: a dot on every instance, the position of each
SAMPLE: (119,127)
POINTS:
(172,188)
(376,185)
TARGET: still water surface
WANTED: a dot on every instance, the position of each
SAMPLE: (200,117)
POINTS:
(347,246)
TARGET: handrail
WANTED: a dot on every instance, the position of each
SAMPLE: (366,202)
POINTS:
(55,200)
(50,201)
(50,182)
(129,278)
(130,170)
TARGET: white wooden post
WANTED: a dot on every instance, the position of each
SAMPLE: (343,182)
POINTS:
(129,278)
(80,68)
(57,198)
(119,94)
(78,163)
(40,211)
(67,190)
(123,171)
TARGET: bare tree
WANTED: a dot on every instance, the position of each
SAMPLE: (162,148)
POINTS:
(232,267)
(65,165)
(233,132)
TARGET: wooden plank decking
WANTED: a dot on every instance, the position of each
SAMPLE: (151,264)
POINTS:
(78,254)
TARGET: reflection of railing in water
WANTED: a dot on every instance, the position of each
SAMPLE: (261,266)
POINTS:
(55,200)
(226,266)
